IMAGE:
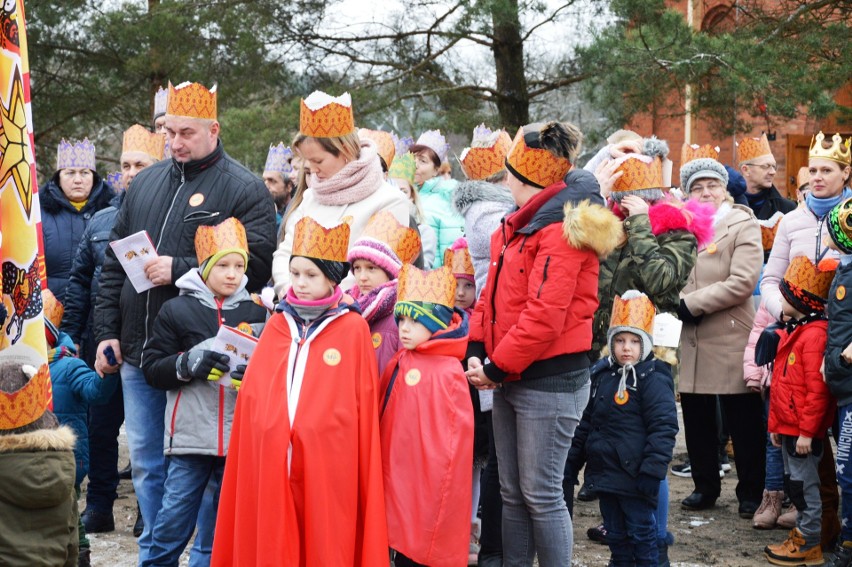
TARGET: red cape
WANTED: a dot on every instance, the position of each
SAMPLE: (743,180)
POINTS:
(329,508)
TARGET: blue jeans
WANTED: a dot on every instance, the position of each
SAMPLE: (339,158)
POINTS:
(843,460)
(774,462)
(532,433)
(144,412)
(104,424)
(631,531)
(661,514)
(189,479)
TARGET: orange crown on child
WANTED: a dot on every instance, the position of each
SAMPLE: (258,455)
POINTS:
(753,148)
(436,286)
(537,166)
(192,100)
(486,154)
(403,240)
(637,312)
(29,403)
(639,173)
(227,235)
(459,260)
(384,143)
(807,276)
(690,152)
(324,116)
(138,139)
(313,240)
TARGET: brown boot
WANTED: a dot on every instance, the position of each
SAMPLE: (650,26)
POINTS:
(790,551)
(770,508)
(787,520)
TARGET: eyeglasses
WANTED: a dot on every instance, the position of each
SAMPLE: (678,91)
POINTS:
(698,189)
(764,167)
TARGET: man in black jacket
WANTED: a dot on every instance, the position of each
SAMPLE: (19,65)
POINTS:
(200,185)
(757,164)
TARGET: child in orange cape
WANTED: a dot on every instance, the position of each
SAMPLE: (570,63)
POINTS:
(303,480)
(427,425)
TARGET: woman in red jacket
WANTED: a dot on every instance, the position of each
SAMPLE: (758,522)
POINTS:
(533,321)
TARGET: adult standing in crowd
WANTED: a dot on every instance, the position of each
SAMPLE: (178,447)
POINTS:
(69,200)
(717,310)
(542,282)
(200,185)
(276,177)
(346,182)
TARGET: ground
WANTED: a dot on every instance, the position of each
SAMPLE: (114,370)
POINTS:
(713,537)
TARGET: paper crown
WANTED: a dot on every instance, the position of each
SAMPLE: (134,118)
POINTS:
(537,166)
(839,150)
(436,286)
(803,275)
(404,241)
(803,177)
(324,116)
(840,226)
(486,154)
(635,312)
(278,159)
(435,141)
(313,240)
(384,143)
(690,152)
(115,180)
(459,260)
(227,235)
(401,145)
(28,403)
(53,309)
(753,148)
(161,100)
(192,100)
(78,155)
(138,139)
(403,167)
(768,230)
(639,172)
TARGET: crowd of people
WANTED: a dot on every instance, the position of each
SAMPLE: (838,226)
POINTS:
(354,359)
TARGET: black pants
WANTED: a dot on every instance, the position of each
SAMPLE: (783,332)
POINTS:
(104,424)
(744,416)
(491,538)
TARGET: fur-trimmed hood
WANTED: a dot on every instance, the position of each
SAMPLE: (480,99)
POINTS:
(592,226)
(60,439)
(469,192)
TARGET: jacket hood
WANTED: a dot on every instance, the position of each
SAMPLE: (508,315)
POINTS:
(38,481)
(588,226)
(579,185)
(469,192)
(451,341)
(440,186)
(53,200)
(693,217)
(191,284)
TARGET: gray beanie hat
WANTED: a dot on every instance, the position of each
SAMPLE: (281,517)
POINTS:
(701,168)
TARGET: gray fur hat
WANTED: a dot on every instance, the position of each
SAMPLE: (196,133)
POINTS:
(701,168)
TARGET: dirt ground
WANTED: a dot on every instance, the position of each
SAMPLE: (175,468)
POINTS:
(713,537)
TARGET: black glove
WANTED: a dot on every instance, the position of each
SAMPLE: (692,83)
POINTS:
(686,316)
(237,376)
(767,344)
(202,364)
(648,486)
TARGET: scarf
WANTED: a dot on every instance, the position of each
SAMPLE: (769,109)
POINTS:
(377,304)
(60,352)
(192,169)
(310,310)
(821,207)
(355,182)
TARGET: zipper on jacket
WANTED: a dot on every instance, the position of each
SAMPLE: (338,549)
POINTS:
(303,337)
(221,421)
(174,419)
(543,277)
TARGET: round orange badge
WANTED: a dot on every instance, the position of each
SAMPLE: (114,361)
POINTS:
(331,357)
(412,377)
(196,200)
(711,248)
(621,397)
(245,328)
(792,358)
(840,293)
(377,340)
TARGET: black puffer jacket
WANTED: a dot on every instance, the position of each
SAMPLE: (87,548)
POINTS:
(838,374)
(171,200)
(62,226)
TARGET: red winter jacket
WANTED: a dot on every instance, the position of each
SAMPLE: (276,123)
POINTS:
(800,402)
(534,317)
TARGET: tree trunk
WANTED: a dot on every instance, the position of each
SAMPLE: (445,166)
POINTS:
(513,102)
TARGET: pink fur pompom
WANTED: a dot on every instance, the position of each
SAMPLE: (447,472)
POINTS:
(691,216)
(459,244)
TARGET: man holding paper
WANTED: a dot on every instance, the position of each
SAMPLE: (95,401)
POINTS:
(200,185)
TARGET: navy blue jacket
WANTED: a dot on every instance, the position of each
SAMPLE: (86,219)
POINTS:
(62,226)
(838,374)
(619,443)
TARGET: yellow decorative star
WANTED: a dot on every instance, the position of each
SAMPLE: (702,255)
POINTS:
(15,151)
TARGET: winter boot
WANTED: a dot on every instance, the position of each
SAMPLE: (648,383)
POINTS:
(767,514)
(84,557)
(792,551)
(841,556)
(473,549)
(787,520)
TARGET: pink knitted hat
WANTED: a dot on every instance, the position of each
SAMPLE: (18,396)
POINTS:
(377,252)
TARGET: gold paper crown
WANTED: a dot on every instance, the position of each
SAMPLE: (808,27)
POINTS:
(138,139)
(459,260)
(403,240)
(482,163)
(324,116)
(403,167)
(690,152)
(639,174)
(227,235)
(753,148)
(313,240)
(637,312)
(808,277)
(436,286)
(29,403)
(53,309)
(768,230)
(538,166)
(384,143)
(192,100)
(839,150)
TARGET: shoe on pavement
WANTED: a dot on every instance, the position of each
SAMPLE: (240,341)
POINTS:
(724,463)
(586,495)
(747,509)
(84,557)
(473,549)
(767,514)
(683,470)
(841,556)
(792,551)
(97,522)
(597,533)
(126,473)
(787,520)
(698,501)
(139,524)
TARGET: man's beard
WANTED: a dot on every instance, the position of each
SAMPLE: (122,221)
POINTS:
(281,200)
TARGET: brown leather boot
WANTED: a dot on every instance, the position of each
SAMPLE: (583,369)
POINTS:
(791,552)
(770,508)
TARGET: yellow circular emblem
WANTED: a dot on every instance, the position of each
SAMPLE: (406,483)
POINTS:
(840,293)
(245,328)
(331,357)
(377,340)
(196,200)
(412,377)
(792,358)
(711,248)
(621,397)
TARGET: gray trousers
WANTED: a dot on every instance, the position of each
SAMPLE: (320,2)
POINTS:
(803,486)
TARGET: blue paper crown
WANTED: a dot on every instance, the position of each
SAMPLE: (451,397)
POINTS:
(278,159)
(79,155)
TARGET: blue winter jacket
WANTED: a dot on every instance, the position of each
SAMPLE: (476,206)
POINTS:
(436,198)
(75,387)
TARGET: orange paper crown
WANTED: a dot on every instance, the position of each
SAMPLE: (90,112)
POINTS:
(138,139)
(384,143)
(437,286)
(483,162)
(192,100)
(53,309)
(227,235)
(769,228)
(637,312)
(638,174)
(807,276)
(690,152)
(839,150)
(803,177)
(459,260)
(29,403)
(403,240)
(313,240)
(753,148)
(539,167)
(324,116)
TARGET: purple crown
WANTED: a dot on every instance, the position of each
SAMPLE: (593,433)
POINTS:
(79,155)
(278,159)
(116,180)
(434,140)
(161,99)
(401,145)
